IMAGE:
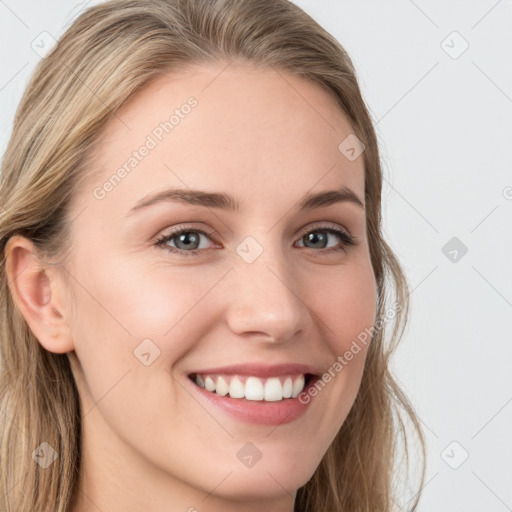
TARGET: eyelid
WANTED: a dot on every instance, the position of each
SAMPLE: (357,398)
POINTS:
(323,225)
(183,227)
(305,230)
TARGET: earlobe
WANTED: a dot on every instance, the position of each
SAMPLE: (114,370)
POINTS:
(37,290)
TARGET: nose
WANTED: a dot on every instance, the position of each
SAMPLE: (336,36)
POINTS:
(264,299)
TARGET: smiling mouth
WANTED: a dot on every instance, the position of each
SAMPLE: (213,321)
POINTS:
(272,389)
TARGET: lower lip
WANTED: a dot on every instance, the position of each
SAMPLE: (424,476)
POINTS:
(257,412)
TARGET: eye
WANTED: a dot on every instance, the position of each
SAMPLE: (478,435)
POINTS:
(311,236)
(188,240)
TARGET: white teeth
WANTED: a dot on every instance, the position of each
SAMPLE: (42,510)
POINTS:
(253,389)
(221,387)
(209,384)
(236,388)
(298,386)
(273,389)
(287,387)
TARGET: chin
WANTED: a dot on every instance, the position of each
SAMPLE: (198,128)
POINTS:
(275,478)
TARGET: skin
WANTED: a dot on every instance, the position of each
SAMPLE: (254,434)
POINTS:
(267,139)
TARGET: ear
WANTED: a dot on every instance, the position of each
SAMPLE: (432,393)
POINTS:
(38,291)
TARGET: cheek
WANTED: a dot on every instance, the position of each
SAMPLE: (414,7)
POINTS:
(139,320)
(126,317)
(347,308)
(346,305)
(130,302)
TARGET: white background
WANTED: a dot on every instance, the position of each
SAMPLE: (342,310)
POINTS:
(445,129)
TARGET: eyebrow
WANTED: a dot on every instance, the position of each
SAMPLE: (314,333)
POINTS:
(224,201)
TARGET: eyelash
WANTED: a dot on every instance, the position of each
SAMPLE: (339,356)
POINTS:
(346,238)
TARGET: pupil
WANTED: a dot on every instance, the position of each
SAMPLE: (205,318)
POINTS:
(185,236)
(313,236)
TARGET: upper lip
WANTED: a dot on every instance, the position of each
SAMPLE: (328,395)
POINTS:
(260,370)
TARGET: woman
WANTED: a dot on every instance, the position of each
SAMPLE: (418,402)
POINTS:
(198,304)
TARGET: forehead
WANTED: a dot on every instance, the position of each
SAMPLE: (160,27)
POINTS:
(257,132)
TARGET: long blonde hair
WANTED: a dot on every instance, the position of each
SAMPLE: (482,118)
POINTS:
(108,53)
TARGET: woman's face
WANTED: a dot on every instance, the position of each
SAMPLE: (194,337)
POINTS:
(264,287)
